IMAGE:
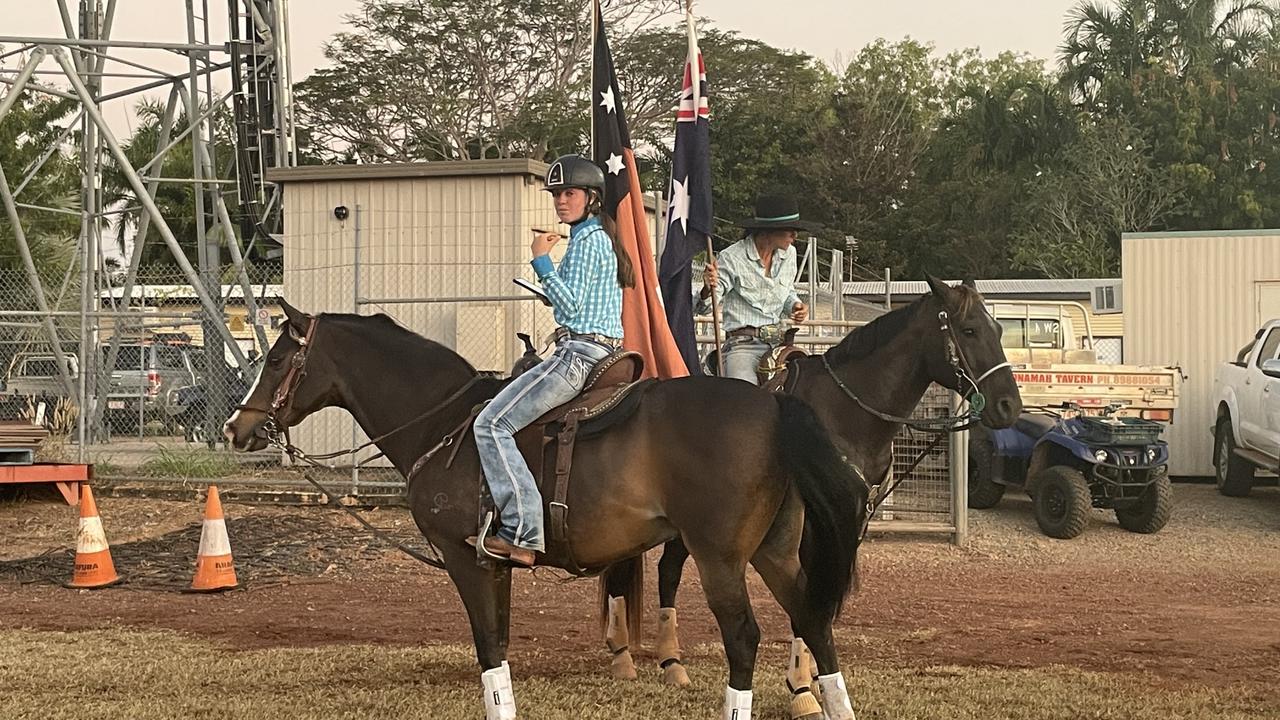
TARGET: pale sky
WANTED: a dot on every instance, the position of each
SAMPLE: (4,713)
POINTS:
(826,29)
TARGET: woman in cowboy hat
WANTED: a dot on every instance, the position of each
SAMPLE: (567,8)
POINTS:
(586,299)
(755,282)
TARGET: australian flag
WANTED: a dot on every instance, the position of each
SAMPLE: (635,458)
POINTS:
(689,218)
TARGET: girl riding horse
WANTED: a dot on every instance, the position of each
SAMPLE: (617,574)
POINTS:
(586,299)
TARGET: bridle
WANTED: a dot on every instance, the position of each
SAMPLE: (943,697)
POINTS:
(283,397)
(941,426)
(964,377)
(278,435)
(963,370)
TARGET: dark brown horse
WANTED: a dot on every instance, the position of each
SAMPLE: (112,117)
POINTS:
(643,482)
(859,390)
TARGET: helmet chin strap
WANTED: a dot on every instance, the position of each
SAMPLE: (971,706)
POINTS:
(593,198)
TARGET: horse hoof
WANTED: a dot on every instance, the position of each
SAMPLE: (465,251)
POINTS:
(622,666)
(674,674)
(804,706)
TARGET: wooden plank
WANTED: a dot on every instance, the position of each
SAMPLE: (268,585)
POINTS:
(389,171)
(70,492)
(899,526)
(45,472)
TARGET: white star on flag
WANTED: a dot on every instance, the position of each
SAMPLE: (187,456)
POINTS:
(680,203)
(615,163)
(607,101)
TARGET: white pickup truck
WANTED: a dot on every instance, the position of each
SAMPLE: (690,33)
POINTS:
(1246,432)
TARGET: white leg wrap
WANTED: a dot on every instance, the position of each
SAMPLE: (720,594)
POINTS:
(499,698)
(737,704)
(835,698)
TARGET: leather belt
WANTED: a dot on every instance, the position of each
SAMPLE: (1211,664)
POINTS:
(768,334)
(610,342)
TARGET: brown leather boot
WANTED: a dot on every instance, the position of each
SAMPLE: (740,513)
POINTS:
(510,552)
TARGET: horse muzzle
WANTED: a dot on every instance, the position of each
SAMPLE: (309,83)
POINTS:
(246,430)
(1001,412)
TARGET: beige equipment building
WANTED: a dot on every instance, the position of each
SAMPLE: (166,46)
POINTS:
(1193,299)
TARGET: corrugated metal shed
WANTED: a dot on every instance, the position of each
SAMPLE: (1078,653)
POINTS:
(1192,300)
(1068,286)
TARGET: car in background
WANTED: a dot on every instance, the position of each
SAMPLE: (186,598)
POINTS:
(1246,430)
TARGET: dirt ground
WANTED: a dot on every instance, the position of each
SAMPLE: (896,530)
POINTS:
(1197,604)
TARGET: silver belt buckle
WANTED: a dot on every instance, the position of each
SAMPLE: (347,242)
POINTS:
(770,334)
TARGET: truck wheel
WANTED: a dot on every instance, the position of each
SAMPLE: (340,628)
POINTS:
(1234,474)
(1153,510)
(983,491)
(1062,502)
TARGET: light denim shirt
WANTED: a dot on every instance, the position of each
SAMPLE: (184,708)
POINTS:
(584,291)
(748,296)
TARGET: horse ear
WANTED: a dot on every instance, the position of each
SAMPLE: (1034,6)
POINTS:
(939,288)
(969,283)
(298,319)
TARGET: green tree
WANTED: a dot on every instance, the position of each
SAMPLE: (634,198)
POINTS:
(30,128)
(1109,49)
(1104,185)
(461,79)
(176,201)
(995,120)
(1200,78)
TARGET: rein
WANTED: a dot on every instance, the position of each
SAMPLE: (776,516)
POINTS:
(941,427)
(278,436)
(298,371)
(964,375)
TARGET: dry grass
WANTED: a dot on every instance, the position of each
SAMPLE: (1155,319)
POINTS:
(145,675)
(61,420)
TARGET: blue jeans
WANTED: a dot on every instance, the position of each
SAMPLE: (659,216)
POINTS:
(742,357)
(553,382)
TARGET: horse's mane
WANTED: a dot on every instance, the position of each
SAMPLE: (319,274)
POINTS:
(407,345)
(864,341)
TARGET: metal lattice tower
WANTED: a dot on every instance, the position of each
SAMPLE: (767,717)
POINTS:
(254,63)
(265,132)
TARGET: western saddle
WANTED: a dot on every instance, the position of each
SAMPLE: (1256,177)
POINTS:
(771,373)
(610,395)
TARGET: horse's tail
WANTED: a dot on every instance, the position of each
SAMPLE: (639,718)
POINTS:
(624,579)
(835,505)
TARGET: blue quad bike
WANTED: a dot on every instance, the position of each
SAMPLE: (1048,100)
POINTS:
(1069,463)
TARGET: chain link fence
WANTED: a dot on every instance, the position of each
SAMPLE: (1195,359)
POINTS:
(135,377)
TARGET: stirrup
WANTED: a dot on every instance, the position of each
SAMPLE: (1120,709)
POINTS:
(481,552)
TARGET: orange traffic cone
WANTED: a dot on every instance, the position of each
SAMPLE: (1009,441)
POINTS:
(94,568)
(214,568)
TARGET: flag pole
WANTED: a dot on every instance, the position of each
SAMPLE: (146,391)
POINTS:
(591,83)
(711,251)
(715,312)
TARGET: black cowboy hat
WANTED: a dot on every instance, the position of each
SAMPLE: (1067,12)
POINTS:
(778,212)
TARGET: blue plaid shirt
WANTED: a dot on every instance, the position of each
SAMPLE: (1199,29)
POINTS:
(750,297)
(584,291)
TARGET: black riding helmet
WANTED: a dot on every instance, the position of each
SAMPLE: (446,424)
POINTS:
(574,171)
